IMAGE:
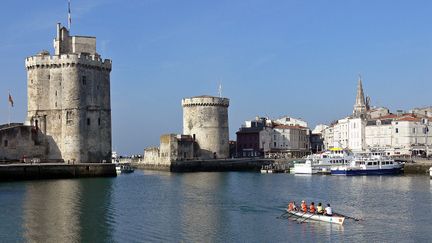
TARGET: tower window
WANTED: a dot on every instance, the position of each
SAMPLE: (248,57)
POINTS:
(88,121)
(397,130)
(49,77)
(68,117)
(84,80)
(99,121)
(5,143)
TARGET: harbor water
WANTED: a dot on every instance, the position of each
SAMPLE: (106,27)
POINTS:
(148,206)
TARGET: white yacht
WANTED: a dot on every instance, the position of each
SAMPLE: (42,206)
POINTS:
(322,162)
(369,163)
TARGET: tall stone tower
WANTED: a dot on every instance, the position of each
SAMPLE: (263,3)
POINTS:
(69,99)
(360,103)
(205,118)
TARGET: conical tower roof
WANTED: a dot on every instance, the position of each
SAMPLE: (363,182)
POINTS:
(360,104)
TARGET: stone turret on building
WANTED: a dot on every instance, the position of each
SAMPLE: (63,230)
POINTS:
(360,107)
(69,99)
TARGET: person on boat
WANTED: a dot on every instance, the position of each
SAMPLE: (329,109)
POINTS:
(303,206)
(291,206)
(320,209)
(328,210)
(294,206)
(312,208)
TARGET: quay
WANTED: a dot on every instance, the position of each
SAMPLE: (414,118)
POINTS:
(214,165)
(417,166)
(24,171)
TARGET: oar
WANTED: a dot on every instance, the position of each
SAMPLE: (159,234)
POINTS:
(348,217)
(306,218)
(282,215)
(299,216)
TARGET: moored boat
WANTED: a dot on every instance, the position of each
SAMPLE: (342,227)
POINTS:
(321,163)
(430,172)
(369,164)
(124,168)
(318,217)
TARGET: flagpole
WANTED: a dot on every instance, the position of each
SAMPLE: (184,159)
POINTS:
(9,109)
(69,16)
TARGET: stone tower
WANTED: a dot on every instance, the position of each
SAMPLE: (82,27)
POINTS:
(205,118)
(360,103)
(69,99)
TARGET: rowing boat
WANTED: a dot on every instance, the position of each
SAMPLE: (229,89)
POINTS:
(318,217)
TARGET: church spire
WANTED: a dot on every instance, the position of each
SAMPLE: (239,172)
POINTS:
(360,104)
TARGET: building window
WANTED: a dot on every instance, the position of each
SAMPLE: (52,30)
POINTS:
(49,77)
(5,143)
(414,130)
(397,130)
(84,80)
(88,121)
(274,143)
(98,121)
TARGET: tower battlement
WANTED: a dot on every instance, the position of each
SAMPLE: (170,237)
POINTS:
(205,101)
(65,60)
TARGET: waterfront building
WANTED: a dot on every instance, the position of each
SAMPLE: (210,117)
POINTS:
(254,138)
(69,107)
(400,134)
(317,139)
(283,137)
(378,129)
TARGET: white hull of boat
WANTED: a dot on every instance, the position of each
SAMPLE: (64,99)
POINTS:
(430,172)
(305,169)
(318,217)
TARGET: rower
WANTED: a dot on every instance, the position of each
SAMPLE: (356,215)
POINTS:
(294,206)
(320,209)
(312,208)
(328,210)
(290,206)
(303,206)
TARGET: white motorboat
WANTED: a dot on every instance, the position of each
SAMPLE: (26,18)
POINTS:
(430,172)
(322,162)
(124,168)
(318,217)
(369,164)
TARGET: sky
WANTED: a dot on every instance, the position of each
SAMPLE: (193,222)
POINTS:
(273,58)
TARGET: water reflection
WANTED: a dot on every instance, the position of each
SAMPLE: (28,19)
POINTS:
(67,211)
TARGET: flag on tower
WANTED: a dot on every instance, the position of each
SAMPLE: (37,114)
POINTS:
(10,100)
(69,16)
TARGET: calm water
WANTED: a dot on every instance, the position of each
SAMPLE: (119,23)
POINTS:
(213,207)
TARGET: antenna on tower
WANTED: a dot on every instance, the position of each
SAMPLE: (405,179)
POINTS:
(69,15)
(220,90)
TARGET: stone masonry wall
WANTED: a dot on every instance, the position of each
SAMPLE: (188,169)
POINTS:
(205,118)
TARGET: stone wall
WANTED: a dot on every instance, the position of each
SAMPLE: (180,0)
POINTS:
(20,142)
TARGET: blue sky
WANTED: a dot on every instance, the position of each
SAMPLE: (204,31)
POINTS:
(273,58)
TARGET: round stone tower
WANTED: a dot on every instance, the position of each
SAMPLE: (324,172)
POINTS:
(69,99)
(205,118)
